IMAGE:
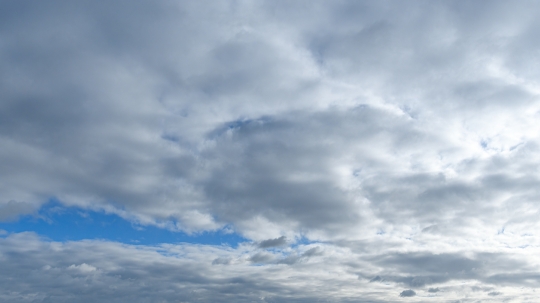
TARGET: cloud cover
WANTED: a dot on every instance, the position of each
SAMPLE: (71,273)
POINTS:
(406,134)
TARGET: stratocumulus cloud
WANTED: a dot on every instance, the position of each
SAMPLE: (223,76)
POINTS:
(356,151)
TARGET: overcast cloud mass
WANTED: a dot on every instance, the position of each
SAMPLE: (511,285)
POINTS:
(368,151)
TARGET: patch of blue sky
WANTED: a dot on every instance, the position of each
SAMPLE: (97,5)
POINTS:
(60,223)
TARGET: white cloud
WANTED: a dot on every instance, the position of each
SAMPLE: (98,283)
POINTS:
(83,268)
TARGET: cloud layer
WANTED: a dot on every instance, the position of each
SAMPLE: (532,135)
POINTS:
(402,135)
(89,271)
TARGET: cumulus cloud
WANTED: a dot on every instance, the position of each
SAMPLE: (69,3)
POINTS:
(404,136)
(269,113)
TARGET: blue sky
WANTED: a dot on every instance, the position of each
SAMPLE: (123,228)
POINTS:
(57,222)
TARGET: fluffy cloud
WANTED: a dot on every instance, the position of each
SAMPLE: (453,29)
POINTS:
(404,128)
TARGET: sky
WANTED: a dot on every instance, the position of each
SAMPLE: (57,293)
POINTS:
(269,151)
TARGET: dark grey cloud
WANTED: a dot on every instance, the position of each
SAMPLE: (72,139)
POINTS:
(315,251)
(453,264)
(376,279)
(407,293)
(261,257)
(277,242)
(11,210)
(290,260)
(221,261)
(419,271)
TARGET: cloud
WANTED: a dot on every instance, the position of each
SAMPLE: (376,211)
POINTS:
(221,261)
(296,257)
(83,268)
(277,242)
(261,257)
(401,138)
(13,209)
(315,251)
(133,273)
(277,116)
(407,293)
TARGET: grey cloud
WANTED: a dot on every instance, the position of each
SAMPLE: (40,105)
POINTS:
(374,126)
(221,261)
(12,209)
(522,278)
(290,260)
(494,293)
(97,125)
(414,281)
(407,293)
(295,258)
(277,242)
(419,270)
(315,251)
(281,169)
(261,257)
(376,279)
(128,274)
(434,290)
(135,273)
(77,270)
(453,264)
(422,281)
